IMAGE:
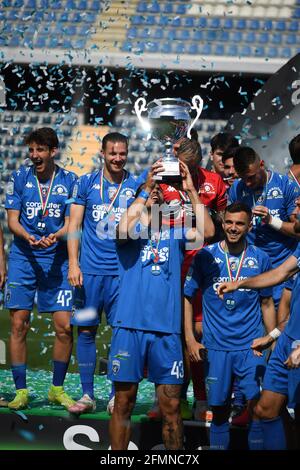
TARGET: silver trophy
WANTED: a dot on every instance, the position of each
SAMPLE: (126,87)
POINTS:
(168,121)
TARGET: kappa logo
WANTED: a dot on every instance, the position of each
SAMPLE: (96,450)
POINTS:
(96,186)
(171,189)
(218,260)
(29,185)
(116,364)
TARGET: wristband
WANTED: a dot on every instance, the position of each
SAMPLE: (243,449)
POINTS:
(275,333)
(276,223)
(144,194)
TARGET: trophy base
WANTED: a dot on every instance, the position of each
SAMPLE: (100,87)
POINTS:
(168,179)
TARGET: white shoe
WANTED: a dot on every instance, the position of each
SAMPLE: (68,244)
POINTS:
(84,405)
(110,405)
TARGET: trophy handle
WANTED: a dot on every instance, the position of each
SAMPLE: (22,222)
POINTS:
(140,107)
(197,102)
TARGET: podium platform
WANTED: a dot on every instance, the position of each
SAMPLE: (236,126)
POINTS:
(48,427)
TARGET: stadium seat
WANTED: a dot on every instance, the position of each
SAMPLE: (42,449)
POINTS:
(165,48)
(291,39)
(219,49)
(193,48)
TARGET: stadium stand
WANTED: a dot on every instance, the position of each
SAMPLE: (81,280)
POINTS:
(266,29)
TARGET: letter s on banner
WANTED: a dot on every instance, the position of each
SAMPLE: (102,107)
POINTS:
(68,439)
(296,94)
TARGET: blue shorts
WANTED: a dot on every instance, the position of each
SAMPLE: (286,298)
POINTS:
(50,281)
(133,350)
(277,293)
(96,294)
(279,378)
(223,366)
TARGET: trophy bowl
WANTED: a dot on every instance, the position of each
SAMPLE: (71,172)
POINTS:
(169,120)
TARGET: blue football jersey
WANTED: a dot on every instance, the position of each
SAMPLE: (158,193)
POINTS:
(279,197)
(228,328)
(292,328)
(98,246)
(23,195)
(150,293)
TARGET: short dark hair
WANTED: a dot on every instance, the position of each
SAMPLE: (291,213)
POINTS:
(190,146)
(222,141)
(43,136)
(229,153)
(239,207)
(294,148)
(114,137)
(243,158)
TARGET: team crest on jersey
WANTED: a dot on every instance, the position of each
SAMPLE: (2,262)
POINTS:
(10,188)
(128,193)
(207,188)
(111,192)
(60,190)
(275,193)
(250,262)
(116,364)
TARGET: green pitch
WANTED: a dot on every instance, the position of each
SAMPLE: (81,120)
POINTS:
(40,340)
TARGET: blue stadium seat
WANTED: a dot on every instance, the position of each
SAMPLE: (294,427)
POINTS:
(214,23)
(142,7)
(293,25)
(40,41)
(259,51)
(232,50)
(70,30)
(268,25)
(198,35)
(151,47)
(179,47)
(14,41)
(210,35)
(31,4)
(286,52)
(57,5)
(150,20)
(228,23)
(163,20)
(245,51)
(94,5)
(166,47)
(79,43)
(250,37)
(188,21)
(183,34)
(223,36)
(132,33)
(153,7)
(158,33)
(206,49)
(176,22)
(254,24)
(272,52)
(64,17)
(241,24)
(296,13)
(291,39)
(137,19)
(218,49)
(82,5)
(181,10)
(126,46)
(193,48)
(276,38)
(263,38)
(202,22)
(168,8)
(280,25)
(50,16)
(70,5)
(236,36)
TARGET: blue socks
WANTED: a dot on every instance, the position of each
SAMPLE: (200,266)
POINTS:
(274,435)
(255,436)
(238,396)
(219,436)
(59,372)
(19,375)
(86,357)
